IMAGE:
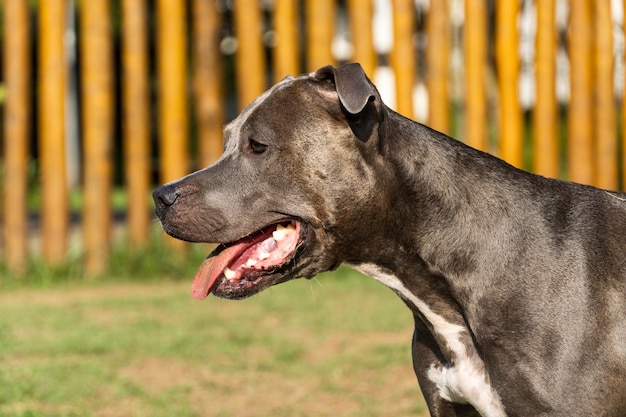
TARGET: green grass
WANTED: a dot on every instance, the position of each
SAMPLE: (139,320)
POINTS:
(335,346)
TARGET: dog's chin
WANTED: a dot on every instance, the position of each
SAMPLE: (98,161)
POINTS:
(250,285)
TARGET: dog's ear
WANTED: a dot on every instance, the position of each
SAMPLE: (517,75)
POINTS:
(354,89)
(355,93)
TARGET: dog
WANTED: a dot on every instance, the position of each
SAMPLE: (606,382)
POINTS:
(517,283)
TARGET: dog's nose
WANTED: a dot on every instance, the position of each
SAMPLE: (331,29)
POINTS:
(165,196)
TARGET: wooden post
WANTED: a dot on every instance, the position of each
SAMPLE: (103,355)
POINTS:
(52,82)
(172,60)
(579,121)
(507,58)
(438,61)
(624,115)
(208,80)
(360,16)
(286,52)
(17,120)
(403,55)
(604,107)
(320,22)
(136,118)
(545,117)
(475,38)
(250,68)
(172,69)
(97,100)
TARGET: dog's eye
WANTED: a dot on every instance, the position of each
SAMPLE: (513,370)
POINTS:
(256,147)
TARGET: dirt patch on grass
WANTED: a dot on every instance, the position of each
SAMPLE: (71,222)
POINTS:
(273,392)
(243,394)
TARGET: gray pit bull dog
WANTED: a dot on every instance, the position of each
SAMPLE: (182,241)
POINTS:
(517,283)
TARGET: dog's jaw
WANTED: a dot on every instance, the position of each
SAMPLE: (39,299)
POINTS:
(242,268)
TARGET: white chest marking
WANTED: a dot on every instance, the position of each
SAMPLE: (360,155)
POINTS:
(464,382)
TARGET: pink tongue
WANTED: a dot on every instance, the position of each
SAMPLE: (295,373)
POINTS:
(211,269)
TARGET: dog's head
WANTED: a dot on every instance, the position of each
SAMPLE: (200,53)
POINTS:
(294,184)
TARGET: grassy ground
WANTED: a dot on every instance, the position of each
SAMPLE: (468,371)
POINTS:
(338,346)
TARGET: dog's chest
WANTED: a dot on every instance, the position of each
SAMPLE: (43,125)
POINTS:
(464,380)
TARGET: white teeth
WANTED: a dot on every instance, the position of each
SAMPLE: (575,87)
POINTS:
(263,256)
(229,274)
(282,231)
(250,262)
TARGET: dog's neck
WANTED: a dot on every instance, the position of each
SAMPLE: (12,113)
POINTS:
(439,250)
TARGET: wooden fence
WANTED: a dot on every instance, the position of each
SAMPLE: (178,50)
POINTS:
(170,117)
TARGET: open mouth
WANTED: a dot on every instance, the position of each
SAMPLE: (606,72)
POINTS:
(241,265)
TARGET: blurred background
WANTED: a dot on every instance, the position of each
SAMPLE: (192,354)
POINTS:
(102,100)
